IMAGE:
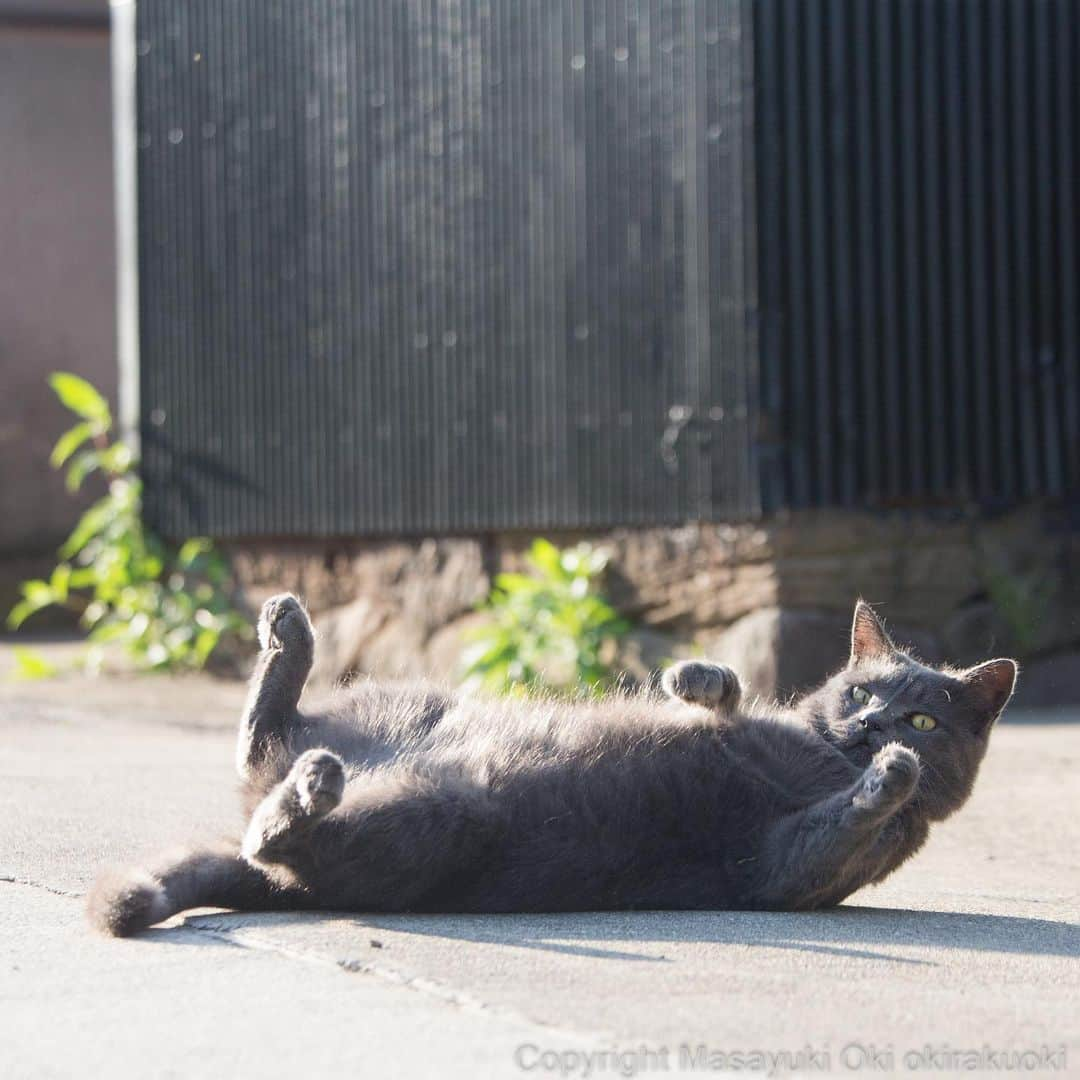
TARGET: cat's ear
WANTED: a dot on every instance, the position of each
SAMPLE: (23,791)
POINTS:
(989,688)
(868,637)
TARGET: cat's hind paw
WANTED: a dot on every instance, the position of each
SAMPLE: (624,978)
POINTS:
(319,776)
(698,682)
(283,623)
(285,817)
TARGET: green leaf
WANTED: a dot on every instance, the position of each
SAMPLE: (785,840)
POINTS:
(37,591)
(485,654)
(89,526)
(31,665)
(80,397)
(36,595)
(116,459)
(513,583)
(58,583)
(191,549)
(21,612)
(85,462)
(105,632)
(157,656)
(69,442)
(546,557)
(84,577)
(205,643)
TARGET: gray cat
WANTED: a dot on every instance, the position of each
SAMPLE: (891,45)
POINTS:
(405,798)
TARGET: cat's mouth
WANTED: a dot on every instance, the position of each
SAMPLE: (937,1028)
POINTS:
(856,749)
(860,753)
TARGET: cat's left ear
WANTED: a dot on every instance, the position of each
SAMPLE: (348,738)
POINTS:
(868,637)
(990,686)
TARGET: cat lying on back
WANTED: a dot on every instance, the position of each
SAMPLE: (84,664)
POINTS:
(404,798)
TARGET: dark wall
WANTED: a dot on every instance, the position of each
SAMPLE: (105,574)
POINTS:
(919,238)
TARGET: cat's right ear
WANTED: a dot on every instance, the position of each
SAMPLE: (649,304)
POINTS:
(868,637)
(990,686)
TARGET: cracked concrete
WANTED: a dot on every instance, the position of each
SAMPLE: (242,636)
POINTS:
(975,942)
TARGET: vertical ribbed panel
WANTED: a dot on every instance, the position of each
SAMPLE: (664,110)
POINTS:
(918,238)
(450,265)
(442,265)
(725,78)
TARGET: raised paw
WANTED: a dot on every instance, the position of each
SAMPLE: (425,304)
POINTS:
(698,682)
(889,779)
(283,623)
(319,777)
(284,819)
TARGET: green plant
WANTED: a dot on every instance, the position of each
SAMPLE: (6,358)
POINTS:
(549,630)
(167,607)
(1022,600)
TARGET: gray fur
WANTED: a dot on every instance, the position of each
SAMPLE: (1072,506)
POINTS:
(409,798)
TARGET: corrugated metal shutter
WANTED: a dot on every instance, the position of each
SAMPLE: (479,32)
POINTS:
(411,267)
(918,236)
(453,266)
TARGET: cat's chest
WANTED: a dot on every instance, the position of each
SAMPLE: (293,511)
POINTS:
(790,761)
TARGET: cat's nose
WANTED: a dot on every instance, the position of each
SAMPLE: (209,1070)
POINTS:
(873,721)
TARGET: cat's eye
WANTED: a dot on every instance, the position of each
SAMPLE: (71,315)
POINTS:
(860,695)
(921,722)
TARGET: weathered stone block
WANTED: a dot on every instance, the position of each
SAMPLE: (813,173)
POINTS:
(774,598)
(1049,681)
(429,581)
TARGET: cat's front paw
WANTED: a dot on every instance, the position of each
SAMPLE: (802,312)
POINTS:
(698,682)
(890,778)
(319,776)
(283,623)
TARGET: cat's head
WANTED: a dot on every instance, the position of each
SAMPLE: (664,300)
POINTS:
(944,714)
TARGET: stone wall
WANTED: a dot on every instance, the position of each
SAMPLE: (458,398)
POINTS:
(773,599)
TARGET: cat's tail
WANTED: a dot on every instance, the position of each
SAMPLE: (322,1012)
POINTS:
(123,902)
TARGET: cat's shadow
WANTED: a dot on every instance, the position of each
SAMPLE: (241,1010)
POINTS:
(846,931)
(849,930)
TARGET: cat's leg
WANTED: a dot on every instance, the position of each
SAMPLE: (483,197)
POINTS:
(698,682)
(815,857)
(391,844)
(124,902)
(288,650)
(283,820)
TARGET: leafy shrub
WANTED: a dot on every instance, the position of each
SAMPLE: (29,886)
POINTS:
(166,607)
(549,630)
(1020,599)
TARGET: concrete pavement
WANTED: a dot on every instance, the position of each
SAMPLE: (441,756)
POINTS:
(971,947)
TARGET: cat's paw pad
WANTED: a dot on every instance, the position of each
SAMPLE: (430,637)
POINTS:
(283,622)
(319,776)
(891,777)
(698,682)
